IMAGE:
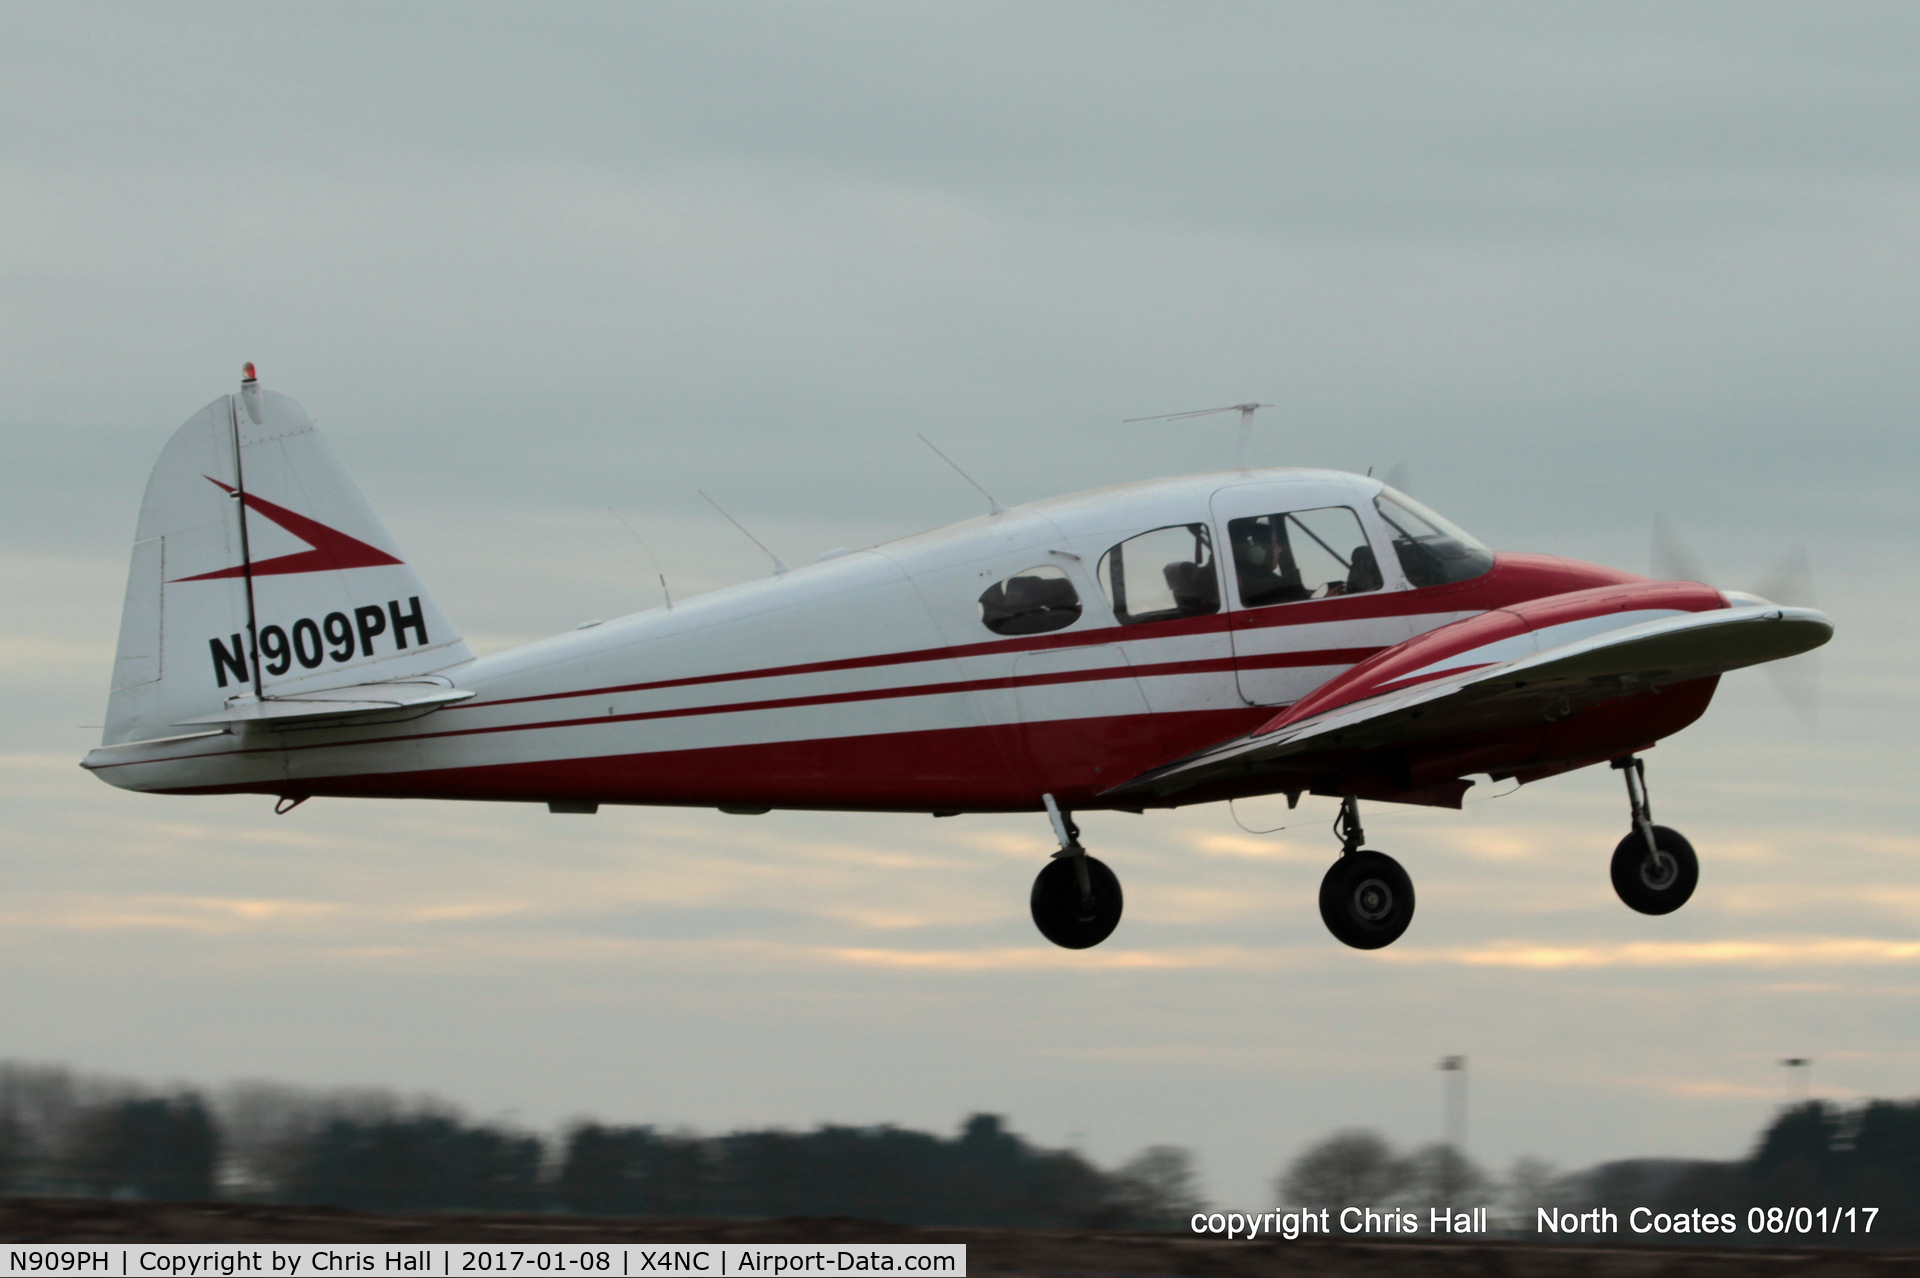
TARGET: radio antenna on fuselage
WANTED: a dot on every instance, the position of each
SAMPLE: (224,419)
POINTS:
(779,567)
(1246,412)
(658,570)
(993,506)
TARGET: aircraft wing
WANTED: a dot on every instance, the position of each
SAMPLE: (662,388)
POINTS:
(1509,669)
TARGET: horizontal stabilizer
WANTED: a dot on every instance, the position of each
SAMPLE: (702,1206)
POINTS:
(335,703)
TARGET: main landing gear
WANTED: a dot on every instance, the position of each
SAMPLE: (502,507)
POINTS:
(1076,899)
(1654,868)
(1366,899)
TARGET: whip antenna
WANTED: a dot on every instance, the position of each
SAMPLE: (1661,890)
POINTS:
(778,566)
(657,569)
(993,507)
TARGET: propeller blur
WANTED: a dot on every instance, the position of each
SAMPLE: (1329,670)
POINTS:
(1788,581)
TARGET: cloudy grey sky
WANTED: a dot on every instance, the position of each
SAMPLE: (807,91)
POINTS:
(1570,266)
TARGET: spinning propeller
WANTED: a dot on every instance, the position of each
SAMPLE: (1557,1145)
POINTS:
(1789,581)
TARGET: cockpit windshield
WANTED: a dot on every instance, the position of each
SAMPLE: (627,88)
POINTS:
(1432,551)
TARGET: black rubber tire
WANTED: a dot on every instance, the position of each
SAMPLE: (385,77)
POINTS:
(1062,916)
(1655,885)
(1366,900)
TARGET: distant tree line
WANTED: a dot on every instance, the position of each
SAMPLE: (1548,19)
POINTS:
(66,1135)
(1357,1168)
(1811,1155)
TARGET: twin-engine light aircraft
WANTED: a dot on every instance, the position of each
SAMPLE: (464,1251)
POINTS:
(1252,632)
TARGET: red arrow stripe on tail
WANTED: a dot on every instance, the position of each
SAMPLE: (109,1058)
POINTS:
(332,550)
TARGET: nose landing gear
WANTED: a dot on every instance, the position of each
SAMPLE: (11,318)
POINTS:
(1076,899)
(1654,868)
(1366,899)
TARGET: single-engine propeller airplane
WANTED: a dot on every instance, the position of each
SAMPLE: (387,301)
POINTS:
(1152,645)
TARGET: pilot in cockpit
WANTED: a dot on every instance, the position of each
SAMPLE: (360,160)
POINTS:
(1264,561)
(1287,557)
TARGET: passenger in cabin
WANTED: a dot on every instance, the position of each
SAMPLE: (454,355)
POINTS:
(1161,574)
(1195,589)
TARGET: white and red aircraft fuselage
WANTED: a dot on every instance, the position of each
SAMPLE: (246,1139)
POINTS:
(1149,645)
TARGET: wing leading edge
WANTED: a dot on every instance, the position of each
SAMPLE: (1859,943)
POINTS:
(1481,695)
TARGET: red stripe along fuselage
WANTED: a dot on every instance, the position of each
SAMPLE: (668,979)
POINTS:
(978,725)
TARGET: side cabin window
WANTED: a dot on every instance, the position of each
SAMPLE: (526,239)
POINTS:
(1432,551)
(1162,574)
(1301,554)
(1030,603)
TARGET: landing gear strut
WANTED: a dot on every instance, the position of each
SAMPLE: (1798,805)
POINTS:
(1076,899)
(1366,899)
(1654,868)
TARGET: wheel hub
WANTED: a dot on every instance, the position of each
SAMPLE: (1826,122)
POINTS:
(1373,900)
(1659,871)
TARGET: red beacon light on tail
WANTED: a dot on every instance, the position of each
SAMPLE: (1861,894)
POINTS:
(250,392)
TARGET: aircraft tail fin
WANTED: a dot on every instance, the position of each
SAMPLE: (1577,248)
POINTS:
(303,592)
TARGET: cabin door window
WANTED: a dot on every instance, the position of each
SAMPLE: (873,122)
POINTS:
(1306,587)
